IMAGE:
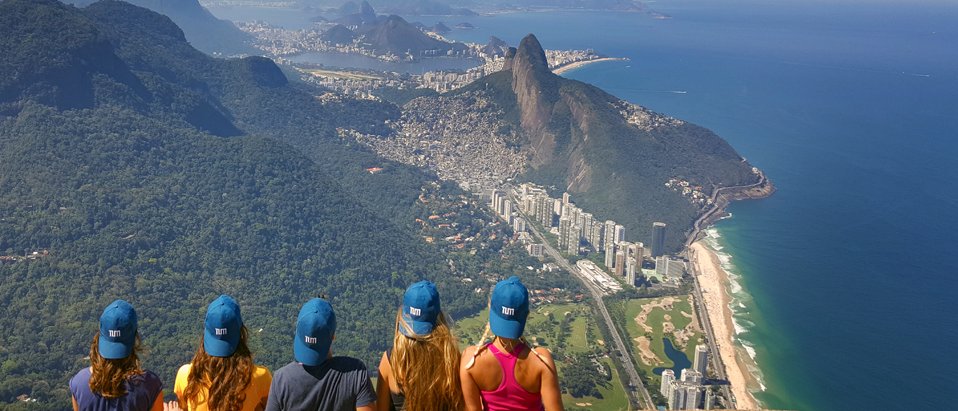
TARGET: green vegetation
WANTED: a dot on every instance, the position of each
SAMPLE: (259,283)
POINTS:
(625,312)
(619,171)
(151,172)
(586,373)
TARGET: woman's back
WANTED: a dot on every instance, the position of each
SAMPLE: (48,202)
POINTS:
(511,379)
(142,393)
(255,392)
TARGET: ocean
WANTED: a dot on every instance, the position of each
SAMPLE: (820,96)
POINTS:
(845,290)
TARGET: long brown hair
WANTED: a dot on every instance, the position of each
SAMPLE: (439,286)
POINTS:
(107,376)
(224,379)
(426,368)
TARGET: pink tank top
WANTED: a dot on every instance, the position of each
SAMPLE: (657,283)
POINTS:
(510,396)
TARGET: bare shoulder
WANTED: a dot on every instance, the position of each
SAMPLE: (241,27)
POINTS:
(262,373)
(546,356)
(467,354)
(544,352)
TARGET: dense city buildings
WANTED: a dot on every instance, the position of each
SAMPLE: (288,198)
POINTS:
(687,392)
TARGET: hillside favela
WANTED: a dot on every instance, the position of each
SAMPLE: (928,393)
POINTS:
(477,204)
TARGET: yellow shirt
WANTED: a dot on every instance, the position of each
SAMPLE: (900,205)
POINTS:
(256,392)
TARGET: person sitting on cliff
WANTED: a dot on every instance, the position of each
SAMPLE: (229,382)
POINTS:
(500,375)
(222,376)
(114,379)
(317,380)
(421,371)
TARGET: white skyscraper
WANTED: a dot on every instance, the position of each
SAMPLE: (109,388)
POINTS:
(573,242)
(609,234)
(595,236)
(609,255)
(666,387)
(701,359)
(693,396)
(565,225)
(676,397)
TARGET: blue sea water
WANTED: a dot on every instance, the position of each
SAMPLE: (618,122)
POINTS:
(846,277)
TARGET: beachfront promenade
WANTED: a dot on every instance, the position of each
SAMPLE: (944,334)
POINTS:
(703,313)
(624,358)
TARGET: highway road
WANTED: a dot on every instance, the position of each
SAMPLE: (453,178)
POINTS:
(624,358)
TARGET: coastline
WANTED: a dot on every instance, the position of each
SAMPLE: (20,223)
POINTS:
(579,64)
(713,281)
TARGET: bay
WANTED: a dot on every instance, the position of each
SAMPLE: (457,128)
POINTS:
(845,279)
(845,274)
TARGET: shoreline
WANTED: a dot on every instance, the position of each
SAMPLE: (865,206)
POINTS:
(579,64)
(713,281)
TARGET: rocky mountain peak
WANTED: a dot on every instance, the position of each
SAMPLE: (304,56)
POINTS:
(536,90)
(531,56)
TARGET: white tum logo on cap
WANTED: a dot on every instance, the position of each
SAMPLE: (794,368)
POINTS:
(415,311)
(311,340)
(114,333)
(220,331)
(508,311)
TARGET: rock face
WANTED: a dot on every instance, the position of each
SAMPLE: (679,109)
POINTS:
(613,156)
(339,34)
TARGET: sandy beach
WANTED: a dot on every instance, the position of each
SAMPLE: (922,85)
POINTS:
(579,64)
(713,281)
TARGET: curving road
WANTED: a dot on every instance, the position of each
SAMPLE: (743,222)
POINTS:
(697,226)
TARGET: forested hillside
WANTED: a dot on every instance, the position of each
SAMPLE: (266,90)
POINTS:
(139,168)
(613,157)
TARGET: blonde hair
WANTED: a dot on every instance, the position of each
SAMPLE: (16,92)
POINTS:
(107,376)
(426,367)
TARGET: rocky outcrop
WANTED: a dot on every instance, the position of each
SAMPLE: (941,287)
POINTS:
(535,88)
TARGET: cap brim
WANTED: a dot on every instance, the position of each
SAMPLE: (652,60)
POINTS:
(418,328)
(506,328)
(310,355)
(217,347)
(112,350)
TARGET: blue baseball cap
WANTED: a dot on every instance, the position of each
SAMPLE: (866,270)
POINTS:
(223,326)
(420,309)
(509,308)
(117,330)
(315,328)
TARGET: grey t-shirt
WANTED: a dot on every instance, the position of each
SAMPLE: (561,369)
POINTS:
(339,384)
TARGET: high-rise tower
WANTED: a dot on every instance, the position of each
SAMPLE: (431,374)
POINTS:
(701,359)
(658,239)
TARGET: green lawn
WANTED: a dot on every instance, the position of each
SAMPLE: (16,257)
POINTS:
(656,319)
(544,328)
(613,396)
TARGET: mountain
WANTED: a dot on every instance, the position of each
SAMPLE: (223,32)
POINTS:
(203,30)
(424,8)
(364,14)
(338,34)
(141,168)
(613,157)
(495,47)
(394,34)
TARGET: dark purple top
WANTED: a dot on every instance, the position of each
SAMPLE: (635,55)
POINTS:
(141,393)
